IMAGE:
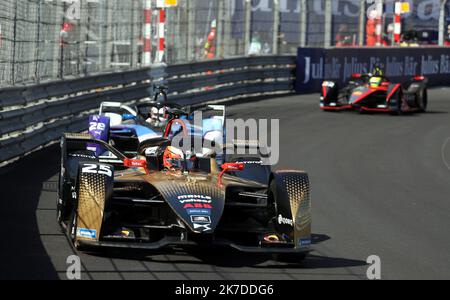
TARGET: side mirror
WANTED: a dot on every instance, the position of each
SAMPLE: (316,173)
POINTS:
(136,163)
(233,167)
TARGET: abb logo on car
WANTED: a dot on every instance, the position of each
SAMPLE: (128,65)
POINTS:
(198,205)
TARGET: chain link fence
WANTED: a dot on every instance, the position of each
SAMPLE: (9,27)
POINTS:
(42,40)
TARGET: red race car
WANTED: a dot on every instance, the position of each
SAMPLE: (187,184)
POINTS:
(375,93)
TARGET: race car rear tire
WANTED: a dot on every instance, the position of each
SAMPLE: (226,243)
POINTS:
(422,99)
(289,195)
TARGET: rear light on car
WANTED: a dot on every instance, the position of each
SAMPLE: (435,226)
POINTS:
(419,78)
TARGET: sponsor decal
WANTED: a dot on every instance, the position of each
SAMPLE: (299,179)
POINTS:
(251,162)
(97,169)
(198,206)
(99,129)
(285,221)
(201,219)
(82,155)
(194,199)
(87,233)
(304,242)
(202,227)
(184,197)
(199,212)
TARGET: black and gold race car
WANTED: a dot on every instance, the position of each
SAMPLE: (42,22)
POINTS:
(167,197)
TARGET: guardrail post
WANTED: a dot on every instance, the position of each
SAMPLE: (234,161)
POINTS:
(276,26)
(328,23)
(57,58)
(303,22)
(38,41)
(248,25)
(227,36)
(109,35)
(220,29)
(190,55)
(134,37)
(362,23)
(82,54)
(14,44)
(147,33)
(442,28)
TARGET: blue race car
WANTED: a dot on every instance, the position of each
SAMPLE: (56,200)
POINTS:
(127,128)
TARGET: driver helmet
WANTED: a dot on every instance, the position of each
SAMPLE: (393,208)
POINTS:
(377,77)
(375,82)
(378,72)
(158,115)
(173,158)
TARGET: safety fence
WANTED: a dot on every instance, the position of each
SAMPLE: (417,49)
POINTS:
(35,116)
(47,40)
(42,40)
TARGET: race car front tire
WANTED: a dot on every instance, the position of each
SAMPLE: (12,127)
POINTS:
(397,111)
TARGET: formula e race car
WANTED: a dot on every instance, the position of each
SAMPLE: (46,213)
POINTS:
(126,127)
(375,93)
(166,197)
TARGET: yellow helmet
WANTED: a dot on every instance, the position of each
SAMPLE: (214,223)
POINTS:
(375,82)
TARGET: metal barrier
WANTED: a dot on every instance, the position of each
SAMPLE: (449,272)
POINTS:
(231,78)
(34,116)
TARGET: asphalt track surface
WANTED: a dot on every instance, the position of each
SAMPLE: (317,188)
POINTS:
(380,184)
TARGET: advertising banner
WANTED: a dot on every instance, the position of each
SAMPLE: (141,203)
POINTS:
(399,64)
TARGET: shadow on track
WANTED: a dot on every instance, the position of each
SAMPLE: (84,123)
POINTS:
(226,258)
(23,254)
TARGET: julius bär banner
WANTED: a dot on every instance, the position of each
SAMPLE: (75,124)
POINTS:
(399,64)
